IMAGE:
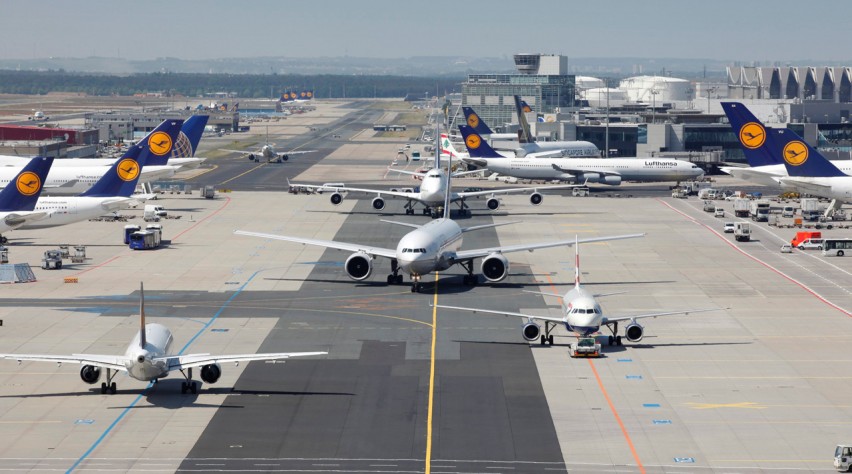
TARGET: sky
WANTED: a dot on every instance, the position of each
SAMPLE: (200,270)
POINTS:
(194,29)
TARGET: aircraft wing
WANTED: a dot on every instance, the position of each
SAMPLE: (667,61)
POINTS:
(105,361)
(616,319)
(151,173)
(199,360)
(529,189)
(300,152)
(331,189)
(19,218)
(806,186)
(412,173)
(116,203)
(465,255)
(575,172)
(502,313)
(382,252)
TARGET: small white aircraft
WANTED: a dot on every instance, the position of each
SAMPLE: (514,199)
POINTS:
(147,359)
(581,314)
(38,115)
(267,152)
(431,247)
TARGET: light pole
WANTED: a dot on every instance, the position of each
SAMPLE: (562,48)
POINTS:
(709,91)
(654,93)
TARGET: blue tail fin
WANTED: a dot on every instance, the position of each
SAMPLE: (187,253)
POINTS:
(190,133)
(752,135)
(123,175)
(476,123)
(310,94)
(476,146)
(801,159)
(524,134)
(21,194)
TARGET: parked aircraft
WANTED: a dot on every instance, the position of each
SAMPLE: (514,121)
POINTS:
(431,247)
(581,314)
(112,192)
(765,164)
(808,171)
(610,171)
(17,203)
(148,359)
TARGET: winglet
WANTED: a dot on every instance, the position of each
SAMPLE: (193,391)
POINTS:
(142,340)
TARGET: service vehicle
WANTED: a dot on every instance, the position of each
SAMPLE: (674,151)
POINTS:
(719,212)
(742,232)
(52,260)
(709,206)
(153,212)
(729,227)
(786,248)
(788,211)
(759,210)
(585,347)
(741,207)
(843,457)
(810,244)
(805,235)
(810,209)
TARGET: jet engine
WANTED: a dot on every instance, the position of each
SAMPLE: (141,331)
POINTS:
(90,374)
(359,266)
(283,157)
(634,332)
(251,157)
(336,198)
(492,203)
(536,198)
(531,331)
(210,373)
(495,267)
(378,204)
(611,180)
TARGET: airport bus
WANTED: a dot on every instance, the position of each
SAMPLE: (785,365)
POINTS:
(836,247)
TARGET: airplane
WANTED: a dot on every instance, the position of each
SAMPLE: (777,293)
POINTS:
(38,115)
(148,359)
(611,171)
(432,192)
(111,192)
(431,247)
(268,152)
(531,148)
(581,314)
(808,170)
(297,97)
(765,165)
(17,203)
(157,166)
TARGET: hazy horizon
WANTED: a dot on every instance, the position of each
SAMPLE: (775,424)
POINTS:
(725,30)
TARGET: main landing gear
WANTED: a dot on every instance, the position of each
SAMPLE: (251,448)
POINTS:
(189,385)
(470,279)
(615,339)
(547,338)
(109,385)
(394,278)
(409,208)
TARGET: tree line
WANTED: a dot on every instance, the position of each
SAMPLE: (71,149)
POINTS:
(243,85)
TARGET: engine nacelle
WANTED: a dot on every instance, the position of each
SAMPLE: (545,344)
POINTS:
(495,267)
(520,152)
(536,198)
(284,157)
(251,157)
(378,204)
(590,177)
(90,374)
(336,198)
(611,180)
(359,266)
(531,331)
(492,203)
(210,373)
(634,332)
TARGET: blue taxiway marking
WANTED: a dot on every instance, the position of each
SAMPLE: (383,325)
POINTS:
(651,405)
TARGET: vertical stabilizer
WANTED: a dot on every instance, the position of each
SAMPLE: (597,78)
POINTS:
(475,122)
(752,135)
(21,194)
(449,190)
(142,340)
(524,134)
(476,146)
(801,159)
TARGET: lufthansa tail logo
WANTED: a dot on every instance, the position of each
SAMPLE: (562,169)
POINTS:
(473,120)
(473,141)
(160,143)
(795,153)
(28,183)
(527,109)
(127,169)
(752,135)
(310,94)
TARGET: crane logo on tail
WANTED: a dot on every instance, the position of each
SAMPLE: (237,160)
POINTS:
(473,120)
(28,183)
(795,153)
(752,135)
(160,143)
(127,169)
(473,141)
